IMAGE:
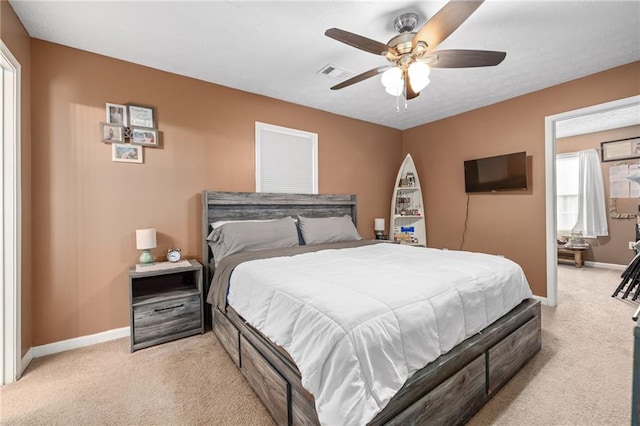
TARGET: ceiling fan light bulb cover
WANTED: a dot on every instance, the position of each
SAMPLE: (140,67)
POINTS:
(395,91)
(418,84)
(392,78)
(418,76)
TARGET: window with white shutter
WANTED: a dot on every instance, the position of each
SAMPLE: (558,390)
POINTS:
(286,160)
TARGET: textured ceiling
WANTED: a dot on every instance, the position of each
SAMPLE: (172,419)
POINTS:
(275,49)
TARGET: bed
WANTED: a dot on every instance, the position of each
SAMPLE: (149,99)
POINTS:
(447,390)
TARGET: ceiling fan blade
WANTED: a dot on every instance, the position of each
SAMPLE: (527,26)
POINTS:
(360,77)
(358,41)
(445,22)
(456,58)
(408,91)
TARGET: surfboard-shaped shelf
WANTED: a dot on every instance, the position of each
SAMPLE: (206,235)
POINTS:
(407,223)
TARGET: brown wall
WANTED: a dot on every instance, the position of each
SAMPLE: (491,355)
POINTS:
(615,247)
(15,37)
(87,207)
(512,224)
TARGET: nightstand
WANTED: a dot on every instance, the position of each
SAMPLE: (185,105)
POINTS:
(166,302)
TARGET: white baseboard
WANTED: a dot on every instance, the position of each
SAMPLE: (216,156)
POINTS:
(79,342)
(26,360)
(605,265)
(542,300)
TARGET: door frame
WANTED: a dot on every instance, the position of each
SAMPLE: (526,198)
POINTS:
(550,183)
(10,230)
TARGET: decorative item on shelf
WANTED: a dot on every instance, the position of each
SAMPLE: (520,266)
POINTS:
(126,126)
(174,254)
(411,179)
(378,227)
(145,241)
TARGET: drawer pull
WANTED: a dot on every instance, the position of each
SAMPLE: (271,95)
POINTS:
(169,308)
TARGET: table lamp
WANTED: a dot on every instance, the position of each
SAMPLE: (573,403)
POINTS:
(145,241)
(378,226)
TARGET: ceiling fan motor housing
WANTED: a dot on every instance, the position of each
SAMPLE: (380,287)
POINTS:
(405,23)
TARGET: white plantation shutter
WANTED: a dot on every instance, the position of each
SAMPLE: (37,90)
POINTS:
(286,160)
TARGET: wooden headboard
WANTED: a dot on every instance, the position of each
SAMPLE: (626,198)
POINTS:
(218,205)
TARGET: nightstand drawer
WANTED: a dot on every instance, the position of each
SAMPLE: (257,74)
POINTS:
(166,318)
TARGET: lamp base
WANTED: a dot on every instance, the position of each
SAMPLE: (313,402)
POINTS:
(146,259)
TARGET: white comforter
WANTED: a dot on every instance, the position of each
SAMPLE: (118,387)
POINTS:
(358,322)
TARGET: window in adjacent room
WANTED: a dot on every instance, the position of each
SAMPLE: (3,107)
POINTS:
(286,160)
(567,184)
(580,192)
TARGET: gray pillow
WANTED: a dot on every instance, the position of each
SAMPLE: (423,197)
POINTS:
(327,229)
(234,237)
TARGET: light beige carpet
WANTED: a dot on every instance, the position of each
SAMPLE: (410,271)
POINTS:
(582,376)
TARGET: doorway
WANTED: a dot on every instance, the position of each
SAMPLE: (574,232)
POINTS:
(551,123)
(10,343)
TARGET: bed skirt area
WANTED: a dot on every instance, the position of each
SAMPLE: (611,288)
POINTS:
(449,390)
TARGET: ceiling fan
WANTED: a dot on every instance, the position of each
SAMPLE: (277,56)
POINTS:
(412,53)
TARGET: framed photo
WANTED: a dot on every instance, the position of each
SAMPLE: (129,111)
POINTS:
(126,153)
(141,116)
(116,114)
(111,133)
(143,136)
(621,149)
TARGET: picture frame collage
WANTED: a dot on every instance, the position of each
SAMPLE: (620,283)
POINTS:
(129,128)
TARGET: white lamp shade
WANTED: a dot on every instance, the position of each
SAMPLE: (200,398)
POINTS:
(392,78)
(145,238)
(378,224)
(419,75)
(395,91)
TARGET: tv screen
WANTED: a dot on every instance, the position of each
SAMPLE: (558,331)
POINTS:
(500,173)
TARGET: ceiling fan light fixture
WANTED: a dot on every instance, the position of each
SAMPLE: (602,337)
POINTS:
(418,76)
(395,91)
(392,78)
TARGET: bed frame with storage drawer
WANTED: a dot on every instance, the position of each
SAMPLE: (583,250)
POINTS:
(449,390)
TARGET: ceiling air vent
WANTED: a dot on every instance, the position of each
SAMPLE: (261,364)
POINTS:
(332,71)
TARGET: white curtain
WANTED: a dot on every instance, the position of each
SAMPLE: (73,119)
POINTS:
(592,212)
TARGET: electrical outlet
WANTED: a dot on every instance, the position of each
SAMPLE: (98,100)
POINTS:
(631,245)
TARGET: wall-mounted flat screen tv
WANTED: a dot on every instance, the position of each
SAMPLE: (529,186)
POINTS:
(500,173)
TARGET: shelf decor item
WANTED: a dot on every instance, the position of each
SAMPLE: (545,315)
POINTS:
(407,208)
(145,241)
